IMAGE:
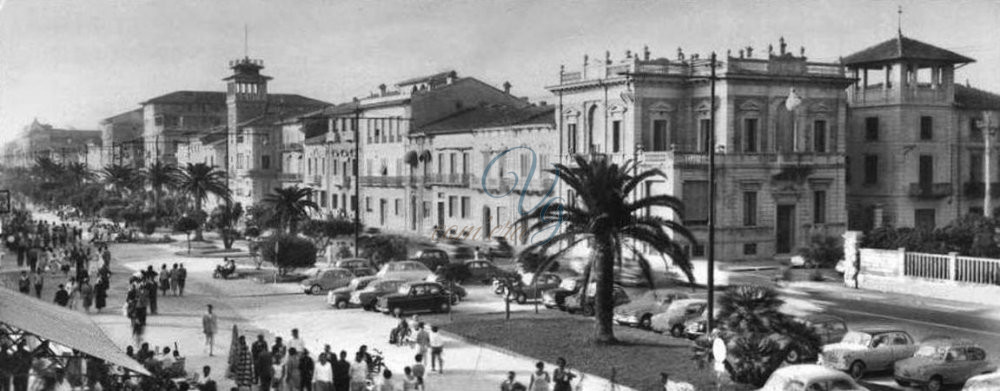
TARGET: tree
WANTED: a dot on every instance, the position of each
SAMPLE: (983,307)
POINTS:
(160,176)
(260,216)
(199,181)
(290,205)
(326,230)
(823,251)
(224,217)
(288,251)
(607,215)
(383,248)
(187,224)
(122,179)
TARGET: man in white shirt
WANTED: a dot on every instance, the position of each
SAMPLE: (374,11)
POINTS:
(437,346)
(296,342)
(323,374)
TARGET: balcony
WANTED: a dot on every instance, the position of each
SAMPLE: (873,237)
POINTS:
(978,190)
(461,180)
(315,179)
(382,181)
(930,190)
(290,177)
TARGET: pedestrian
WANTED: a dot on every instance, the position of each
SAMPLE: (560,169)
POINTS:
(174,273)
(141,301)
(342,373)
(24,283)
(509,384)
(423,340)
(37,280)
(419,370)
(293,372)
(437,347)
(359,373)
(207,381)
(539,379)
(181,278)
(264,370)
(561,377)
(243,372)
(164,280)
(259,346)
(279,349)
(62,297)
(74,292)
(151,289)
(307,368)
(209,325)
(296,342)
(475,254)
(33,254)
(409,381)
(387,384)
(323,375)
(101,293)
(87,295)
(20,369)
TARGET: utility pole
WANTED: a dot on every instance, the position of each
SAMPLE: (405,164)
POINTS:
(987,175)
(357,182)
(711,206)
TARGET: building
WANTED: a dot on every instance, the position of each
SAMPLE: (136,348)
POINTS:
(121,136)
(40,140)
(171,119)
(917,147)
(780,176)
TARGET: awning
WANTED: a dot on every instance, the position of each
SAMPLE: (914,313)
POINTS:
(62,326)
(411,158)
(425,156)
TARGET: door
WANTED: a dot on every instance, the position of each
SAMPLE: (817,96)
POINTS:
(381,212)
(413,213)
(881,353)
(486,223)
(441,216)
(926,171)
(785,230)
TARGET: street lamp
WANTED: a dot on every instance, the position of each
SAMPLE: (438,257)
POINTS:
(710,325)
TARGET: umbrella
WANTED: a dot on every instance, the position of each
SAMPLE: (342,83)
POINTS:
(233,354)
(244,367)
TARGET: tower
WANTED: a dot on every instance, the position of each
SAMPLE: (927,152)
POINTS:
(246,92)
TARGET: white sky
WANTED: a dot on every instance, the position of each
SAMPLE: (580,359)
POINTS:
(72,62)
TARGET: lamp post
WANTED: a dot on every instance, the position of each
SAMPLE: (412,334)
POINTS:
(710,325)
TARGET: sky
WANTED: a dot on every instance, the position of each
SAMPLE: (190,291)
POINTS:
(72,63)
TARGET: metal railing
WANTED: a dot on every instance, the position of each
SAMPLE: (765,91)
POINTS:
(977,270)
(290,177)
(921,265)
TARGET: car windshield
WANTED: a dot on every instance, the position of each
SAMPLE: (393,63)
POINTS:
(405,289)
(856,338)
(932,352)
(360,283)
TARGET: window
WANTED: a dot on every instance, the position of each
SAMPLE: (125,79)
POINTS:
(847,170)
(396,203)
(440,163)
(975,167)
(660,137)
(975,354)
(704,127)
(819,207)
(525,164)
(924,218)
(335,167)
(975,132)
(926,171)
(871,169)
(750,135)
(354,203)
(695,196)
(427,209)
(819,136)
(452,200)
(466,207)
(871,129)
(926,127)
(571,138)
(616,134)
(323,199)
(265,162)
(451,163)
(749,248)
(750,208)
(368,204)
(333,201)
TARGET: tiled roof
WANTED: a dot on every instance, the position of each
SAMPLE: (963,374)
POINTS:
(975,99)
(900,48)
(423,79)
(131,114)
(219,98)
(491,116)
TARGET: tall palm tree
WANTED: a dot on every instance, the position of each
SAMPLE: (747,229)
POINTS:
(608,218)
(158,176)
(78,173)
(121,178)
(290,205)
(199,181)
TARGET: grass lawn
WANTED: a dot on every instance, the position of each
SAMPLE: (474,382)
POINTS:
(636,362)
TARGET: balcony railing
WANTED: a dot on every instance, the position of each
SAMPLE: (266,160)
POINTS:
(382,181)
(977,189)
(316,179)
(290,177)
(930,190)
(458,179)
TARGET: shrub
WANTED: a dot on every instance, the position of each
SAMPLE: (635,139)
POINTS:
(186,224)
(344,252)
(384,248)
(823,251)
(287,251)
(148,227)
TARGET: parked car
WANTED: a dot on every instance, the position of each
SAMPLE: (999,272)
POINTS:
(404,270)
(432,258)
(680,311)
(462,253)
(640,311)
(415,297)
(500,248)
(575,302)
(457,290)
(359,266)
(481,270)
(831,329)
(368,297)
(809,377)
(941,362)
(985,382)
(533,291)
(340,297)
(326,279)
(874,349)
(556,298)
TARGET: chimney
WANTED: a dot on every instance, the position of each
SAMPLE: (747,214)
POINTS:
(749,51)
(628,54)
(741,53)
(645,53)
(680,54)
(802,51)
(451,77)
(381,89)
(506,87)
(607,57)
(783,45)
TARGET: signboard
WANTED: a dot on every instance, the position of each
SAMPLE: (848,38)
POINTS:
(4,201)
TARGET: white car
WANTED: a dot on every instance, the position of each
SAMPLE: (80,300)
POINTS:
(404,270)
(810,377)
(987,382)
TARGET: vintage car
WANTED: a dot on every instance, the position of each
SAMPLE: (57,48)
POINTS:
(873,349)
(530,289)
(810,377)
(367,298)
(404,270)
(340,297)
(576,303)
(941,362)
(415,297)
(556,297)
(640,311)
(985,382)
(481,270)
(831,329)
(677,314)
(326,279)
(432,258)
(359,266)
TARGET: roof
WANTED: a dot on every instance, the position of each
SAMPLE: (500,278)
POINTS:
(974,98)
(491,116)
(63,326)
(126,116)
(903,48)
(219,98)
(424,79)
(315,140)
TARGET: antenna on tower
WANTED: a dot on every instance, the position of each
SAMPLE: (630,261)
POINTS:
(246,41)
(899,21)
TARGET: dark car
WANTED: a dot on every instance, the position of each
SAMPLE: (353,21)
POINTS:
(574,303)
(368,297)
(499,249)
(528,290)
(481,270)
(359,266)
(415,297)
(941,362)
(432,258)
(556,298)
(340,297)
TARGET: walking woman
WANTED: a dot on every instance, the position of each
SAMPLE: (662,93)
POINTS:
(561,376)
(101,293)
(539,379)
(164,280)
(87,293)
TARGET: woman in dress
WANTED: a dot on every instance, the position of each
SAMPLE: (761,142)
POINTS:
(539,378)
(74,292)
(561,376)
(87,293)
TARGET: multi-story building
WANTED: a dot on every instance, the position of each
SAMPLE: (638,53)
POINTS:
(121,136)
(779,132)
(40,140)
(170,119)
(916,156)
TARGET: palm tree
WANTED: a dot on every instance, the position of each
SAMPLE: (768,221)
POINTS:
(290,205)
(158,176)
(199,181)
(122,179)
(608,218)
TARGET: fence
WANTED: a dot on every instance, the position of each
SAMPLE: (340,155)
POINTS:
(926,266)
(952,267)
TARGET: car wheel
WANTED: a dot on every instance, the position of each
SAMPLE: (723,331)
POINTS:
(445,307)
(587,310)
(857,370)
(935,384)
(793,356)
(315,290)
(521,298)
(677,331)
(646,322)
(341,304)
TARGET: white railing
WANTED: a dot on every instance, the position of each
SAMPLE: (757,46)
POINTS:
(926,266)
(951,267)
(977,270)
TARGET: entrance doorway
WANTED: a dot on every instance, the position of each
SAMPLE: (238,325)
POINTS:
(785,229)
(486,223)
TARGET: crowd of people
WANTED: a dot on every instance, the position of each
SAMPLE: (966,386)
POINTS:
(144,289)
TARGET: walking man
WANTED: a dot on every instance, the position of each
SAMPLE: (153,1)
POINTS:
(437,347)
(182,275)
(209,324)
